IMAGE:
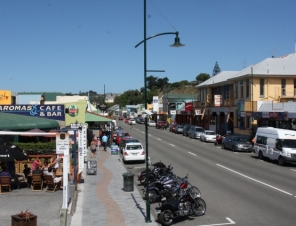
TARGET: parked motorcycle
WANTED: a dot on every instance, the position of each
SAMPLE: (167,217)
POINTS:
(158,169)
(188,204)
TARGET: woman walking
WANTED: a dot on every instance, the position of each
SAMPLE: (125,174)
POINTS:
(93,148)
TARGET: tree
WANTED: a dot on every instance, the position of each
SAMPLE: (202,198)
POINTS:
(202,77)
(216,69)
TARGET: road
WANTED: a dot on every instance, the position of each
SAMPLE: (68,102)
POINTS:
(239,189)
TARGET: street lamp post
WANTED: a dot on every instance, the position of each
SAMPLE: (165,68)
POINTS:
(176,44)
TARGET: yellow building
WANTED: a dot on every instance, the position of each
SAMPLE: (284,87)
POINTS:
(263,93)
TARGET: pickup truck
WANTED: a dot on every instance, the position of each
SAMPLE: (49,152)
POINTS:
(161,125)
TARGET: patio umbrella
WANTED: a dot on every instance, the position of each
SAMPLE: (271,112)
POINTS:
(11,152)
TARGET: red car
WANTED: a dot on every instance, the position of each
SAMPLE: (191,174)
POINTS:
(161,125)
(120,118)
(118,138)
(173,127)
(126,120)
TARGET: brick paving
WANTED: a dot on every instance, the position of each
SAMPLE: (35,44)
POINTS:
(102,201)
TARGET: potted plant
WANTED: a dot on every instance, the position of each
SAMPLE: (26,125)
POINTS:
(24,219)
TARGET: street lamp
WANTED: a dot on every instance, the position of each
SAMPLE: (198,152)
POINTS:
(176,44)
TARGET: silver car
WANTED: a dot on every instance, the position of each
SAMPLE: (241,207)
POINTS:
(195,132)
(179,129)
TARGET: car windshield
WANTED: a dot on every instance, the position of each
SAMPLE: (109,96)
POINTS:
(180,126)
(133,147)
(199,130)
(288,143)
(240,139)
(210,133)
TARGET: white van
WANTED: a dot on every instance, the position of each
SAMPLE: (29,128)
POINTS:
(276,144)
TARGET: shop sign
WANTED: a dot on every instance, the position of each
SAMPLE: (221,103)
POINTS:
(198,112)
(242,114)
(218,100)
(52,111)
(73,110)
(188,107)
(248,114)
(5,97)
(172,112)
(273,114)
(257,114)
(62,143)
(265,114)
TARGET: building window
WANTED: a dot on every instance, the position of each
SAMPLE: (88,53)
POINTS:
(283,87)
(236,90)
(294,87)
(262,87)
(247,88)
(241,84)
(226,89)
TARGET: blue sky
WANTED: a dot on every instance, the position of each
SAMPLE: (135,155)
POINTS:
(82,45)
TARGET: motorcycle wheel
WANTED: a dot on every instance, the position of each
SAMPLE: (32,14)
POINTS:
(153,196)
(165,218)
(199,207)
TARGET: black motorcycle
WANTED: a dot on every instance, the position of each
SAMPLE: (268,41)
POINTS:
(158,169)
(187,205)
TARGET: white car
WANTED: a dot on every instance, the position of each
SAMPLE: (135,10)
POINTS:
(208,136)
(132,121)
(133,152)
(151,123)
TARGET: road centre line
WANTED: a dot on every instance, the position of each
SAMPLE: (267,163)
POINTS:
(172,145)
(227,218)
(191,153)
(158,138)
(293,169)
(250,178)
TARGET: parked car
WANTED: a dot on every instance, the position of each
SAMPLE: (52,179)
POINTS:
(132,121)
(208,136)
(161,125)
(237,143)
(151,123)
(133,152)
(125,140)
(120,118)
(118,138)
(172,127)
(186,128)
(195,132)
(179,129)
(126,120)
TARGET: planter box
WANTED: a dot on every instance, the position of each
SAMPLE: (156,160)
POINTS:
(17,221)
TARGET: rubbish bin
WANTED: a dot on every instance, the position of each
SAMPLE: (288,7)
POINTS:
(128,181)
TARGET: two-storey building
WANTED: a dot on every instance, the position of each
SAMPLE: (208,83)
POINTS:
(262,94)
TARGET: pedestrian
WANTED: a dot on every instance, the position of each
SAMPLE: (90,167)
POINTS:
(93,148)
(104,140)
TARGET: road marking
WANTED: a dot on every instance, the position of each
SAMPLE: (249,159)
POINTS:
(227,218)
(191,153)
(260,182)
(293,169)
(172,145)
(158,139)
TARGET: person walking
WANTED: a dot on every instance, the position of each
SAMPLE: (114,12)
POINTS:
(93,148)
(104,140)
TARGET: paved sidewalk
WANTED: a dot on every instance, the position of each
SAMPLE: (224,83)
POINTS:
(102,201)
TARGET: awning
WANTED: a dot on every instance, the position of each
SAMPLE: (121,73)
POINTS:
(92,117)
(16,122)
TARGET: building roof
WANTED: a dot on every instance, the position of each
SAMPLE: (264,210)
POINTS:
(17,122)
(92,117)
(284,65)
(221,77)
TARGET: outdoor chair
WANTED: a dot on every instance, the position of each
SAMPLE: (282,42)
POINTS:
(51,184)
(5,185)
(37,182)
(19,179)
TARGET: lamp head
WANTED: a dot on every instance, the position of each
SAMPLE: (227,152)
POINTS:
(177,41)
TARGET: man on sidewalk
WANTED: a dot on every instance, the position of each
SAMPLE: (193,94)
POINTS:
(104,140)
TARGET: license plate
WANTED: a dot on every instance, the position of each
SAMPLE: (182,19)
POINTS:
(134,153)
